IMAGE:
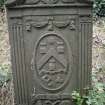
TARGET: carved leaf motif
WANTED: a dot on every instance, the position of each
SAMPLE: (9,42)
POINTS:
(49,1)
(40,24)
(61,24)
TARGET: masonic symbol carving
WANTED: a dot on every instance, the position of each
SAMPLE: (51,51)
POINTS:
(51,61)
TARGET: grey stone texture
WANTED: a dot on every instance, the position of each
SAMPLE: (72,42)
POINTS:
(51,49)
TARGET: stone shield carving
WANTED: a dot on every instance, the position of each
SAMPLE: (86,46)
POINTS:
(51,61)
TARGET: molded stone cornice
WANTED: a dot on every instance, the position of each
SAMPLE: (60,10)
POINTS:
(20,2)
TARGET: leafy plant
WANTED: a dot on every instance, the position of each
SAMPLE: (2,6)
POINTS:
(5,74)
(2,3)
(95,96)
(78,99)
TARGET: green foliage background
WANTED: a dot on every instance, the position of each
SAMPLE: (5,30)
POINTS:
(99,8)
(5,74)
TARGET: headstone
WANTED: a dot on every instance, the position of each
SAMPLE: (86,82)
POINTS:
(51,48)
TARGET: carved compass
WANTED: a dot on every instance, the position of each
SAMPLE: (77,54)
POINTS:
(51,61)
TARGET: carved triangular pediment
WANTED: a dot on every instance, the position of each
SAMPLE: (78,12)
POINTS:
(36,2)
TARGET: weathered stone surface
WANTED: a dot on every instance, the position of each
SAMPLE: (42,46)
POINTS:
(20,2)
(51,42)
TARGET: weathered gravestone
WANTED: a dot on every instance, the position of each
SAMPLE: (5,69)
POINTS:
(51,44)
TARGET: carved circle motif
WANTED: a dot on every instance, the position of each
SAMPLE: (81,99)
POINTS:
(52,62)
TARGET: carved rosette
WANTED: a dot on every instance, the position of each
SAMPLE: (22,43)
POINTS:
(51,60)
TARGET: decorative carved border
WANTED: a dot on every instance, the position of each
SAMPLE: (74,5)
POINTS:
(50,23)
(52,99)
(18,60)
(85,51)
(48,1)
(20,2)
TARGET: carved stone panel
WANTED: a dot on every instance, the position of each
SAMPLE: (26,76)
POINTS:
(85,43)
(20,2)
(50,22)
(51,49)
(51,61)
